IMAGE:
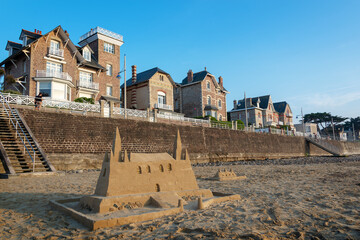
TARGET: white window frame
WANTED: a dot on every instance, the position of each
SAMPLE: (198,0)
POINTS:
(109,48)
(208,99)
(109,70)
(109,93)
(161,97)
(54,67)
(87,54)
(54,44)
(85,77)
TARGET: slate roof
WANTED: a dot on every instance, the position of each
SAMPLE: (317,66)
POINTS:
(14,45)
(30,34)
(197,77)
(144,76)
(264,102)
(280,106)
(93,63)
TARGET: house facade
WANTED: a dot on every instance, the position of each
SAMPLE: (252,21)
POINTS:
(262,112)
(150,89)
(200,95)
(52,64)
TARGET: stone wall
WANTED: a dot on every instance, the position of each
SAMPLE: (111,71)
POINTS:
(74,141)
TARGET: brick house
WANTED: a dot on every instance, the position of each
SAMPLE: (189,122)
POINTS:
(150,89)
(199,94)
(262,112)
(52,64)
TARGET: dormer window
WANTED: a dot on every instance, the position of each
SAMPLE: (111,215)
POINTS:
(87,54)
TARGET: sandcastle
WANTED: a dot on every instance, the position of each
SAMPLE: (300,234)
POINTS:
(226,175)
(135,187)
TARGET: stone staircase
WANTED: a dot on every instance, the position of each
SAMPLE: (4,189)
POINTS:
(326,146)
(16,156)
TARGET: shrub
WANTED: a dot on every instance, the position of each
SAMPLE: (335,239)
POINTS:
(85,100)
(11,92)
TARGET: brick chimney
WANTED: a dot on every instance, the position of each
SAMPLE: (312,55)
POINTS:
(67,34)
(133,79)
(221,81)
(190,76)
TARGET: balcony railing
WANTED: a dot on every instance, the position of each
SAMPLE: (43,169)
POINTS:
(89,85)
(53,74)
(56,52)
(163,106)
(102,31)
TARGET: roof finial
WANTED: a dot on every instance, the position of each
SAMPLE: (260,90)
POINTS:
(205,68)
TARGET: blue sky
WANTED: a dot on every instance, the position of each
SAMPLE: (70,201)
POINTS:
(304,52)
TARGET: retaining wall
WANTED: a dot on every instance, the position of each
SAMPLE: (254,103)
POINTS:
(79,142)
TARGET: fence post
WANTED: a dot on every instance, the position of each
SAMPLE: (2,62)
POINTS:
(102,103)
(155,115)
(111,109)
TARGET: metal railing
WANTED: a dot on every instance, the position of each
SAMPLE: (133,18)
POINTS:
(49,74)
(17,125)
(87,84)
(162,106)
(56,52)
(102,31)
(47,102)
(183,119)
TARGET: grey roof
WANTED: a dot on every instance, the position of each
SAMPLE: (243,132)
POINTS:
(144,76)
(110,99)
(280,106)
(197,77)
(264,102)
(93,63)
(210,107)
(14,45)
(30,34)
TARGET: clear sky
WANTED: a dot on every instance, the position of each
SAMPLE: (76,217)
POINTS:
(304,52)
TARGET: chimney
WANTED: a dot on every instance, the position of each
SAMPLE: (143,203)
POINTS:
(40,32)
(67,34)
(190,76)
(235,105)
(205,68)
(133,79)
(221,81)
(35,30)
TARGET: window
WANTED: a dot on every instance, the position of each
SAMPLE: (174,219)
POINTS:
(161,78)
(209,100)
(161,98)
(109,69)
(45,88)
(87,54)
(208,85)
(109,90)
(59,91)
(220,117)
(53,68)
(259,115)
(110,48)
(207,113)
(161,168)
(54,45)
(86,77)
(219,103)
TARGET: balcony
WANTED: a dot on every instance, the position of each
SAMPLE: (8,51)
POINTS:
(53,74)
(56,52)
(88,85)
(162,106)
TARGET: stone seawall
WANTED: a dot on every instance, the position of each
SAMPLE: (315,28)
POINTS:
(79,142)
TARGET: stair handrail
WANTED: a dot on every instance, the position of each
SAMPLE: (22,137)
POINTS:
(16,129)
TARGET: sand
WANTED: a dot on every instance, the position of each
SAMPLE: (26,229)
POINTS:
(281,199)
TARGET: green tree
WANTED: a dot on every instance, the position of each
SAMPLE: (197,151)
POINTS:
(323,120)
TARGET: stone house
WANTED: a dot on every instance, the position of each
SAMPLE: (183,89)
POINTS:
(151,89)
(262,112)
(285,113)
(52,64)
(199,94)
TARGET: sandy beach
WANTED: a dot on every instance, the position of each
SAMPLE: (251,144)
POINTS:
(310,198)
